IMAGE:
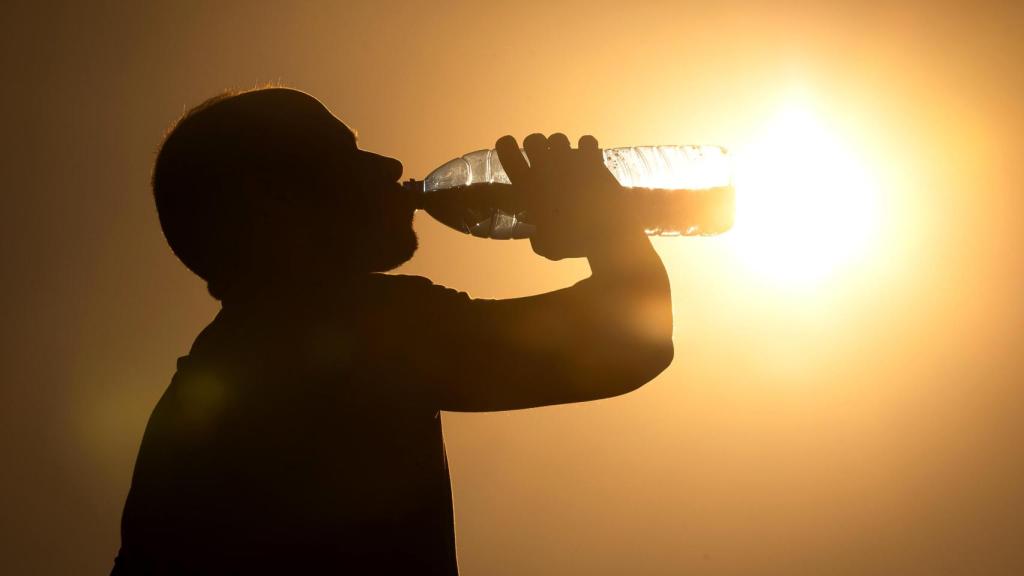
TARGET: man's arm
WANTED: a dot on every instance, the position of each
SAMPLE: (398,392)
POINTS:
(607,335)
(585,342)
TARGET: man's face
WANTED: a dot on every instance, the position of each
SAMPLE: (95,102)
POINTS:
(362,208)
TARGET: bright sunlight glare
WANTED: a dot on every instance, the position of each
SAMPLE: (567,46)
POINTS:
(805,205)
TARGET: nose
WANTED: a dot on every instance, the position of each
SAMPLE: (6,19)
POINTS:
(390,168)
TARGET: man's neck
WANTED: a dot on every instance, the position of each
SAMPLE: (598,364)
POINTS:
(310,295)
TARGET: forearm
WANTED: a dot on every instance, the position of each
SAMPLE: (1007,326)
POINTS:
(631,276)
(606,335)
(626,257)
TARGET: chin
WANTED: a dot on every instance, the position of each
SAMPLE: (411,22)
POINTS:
(396,252)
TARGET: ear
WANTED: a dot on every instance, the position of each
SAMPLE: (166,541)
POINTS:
(271,222)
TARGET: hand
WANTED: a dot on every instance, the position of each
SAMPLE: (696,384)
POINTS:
(570,195)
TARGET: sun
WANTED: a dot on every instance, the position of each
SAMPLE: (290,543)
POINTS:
(806,205)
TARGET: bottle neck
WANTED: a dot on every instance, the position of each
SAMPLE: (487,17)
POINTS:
(415,188)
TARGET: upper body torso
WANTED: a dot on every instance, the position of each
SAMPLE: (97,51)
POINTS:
(309,438)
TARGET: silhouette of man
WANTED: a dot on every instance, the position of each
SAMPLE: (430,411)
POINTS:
(302,432)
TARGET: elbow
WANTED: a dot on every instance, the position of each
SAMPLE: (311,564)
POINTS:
(639,366)
(656,359)
(664,355)
(648,332)
(652,349)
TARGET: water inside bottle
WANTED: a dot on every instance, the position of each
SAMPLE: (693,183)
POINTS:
(495,211)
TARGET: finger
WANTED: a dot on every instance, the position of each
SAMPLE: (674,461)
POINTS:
(511,158)
(558,141)
(536,146)
(588,146)
(587,142)
(544,248)
(559,148)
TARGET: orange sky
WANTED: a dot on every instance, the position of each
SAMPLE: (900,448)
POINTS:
(866,420)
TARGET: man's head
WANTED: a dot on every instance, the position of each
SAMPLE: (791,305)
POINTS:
(267,189)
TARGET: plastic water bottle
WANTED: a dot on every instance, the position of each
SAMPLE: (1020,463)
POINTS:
(679,190)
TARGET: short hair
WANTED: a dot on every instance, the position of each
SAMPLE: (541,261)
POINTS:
(213,162)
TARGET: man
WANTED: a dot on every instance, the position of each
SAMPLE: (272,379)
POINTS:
(302,433)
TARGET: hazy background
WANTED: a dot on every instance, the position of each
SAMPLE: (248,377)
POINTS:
(864,420)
